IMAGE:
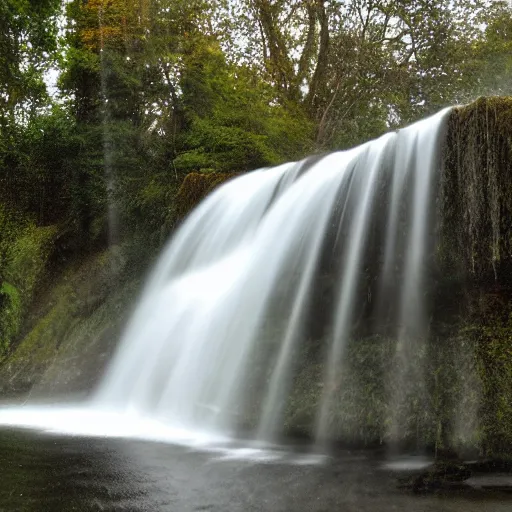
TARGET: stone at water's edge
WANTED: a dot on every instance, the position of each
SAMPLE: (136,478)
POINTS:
(465,406)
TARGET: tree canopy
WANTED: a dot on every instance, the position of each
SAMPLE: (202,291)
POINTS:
(151,90)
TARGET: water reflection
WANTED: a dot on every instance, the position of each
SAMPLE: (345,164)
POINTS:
(54,473)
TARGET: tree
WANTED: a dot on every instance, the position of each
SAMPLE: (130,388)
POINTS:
(359,66)
(28,40)
(102,75)
(490,68)
(154,89)
(28,46)
(232,121)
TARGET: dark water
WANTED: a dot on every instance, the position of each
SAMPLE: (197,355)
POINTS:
(41,472)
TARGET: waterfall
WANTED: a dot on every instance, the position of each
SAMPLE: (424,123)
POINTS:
(250,320)
(218,333)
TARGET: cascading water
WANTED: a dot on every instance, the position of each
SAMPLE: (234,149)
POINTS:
(188,352)
(215,342)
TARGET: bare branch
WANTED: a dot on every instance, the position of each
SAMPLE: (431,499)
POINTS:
(307,51)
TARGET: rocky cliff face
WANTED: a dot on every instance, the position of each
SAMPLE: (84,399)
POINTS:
(450,390)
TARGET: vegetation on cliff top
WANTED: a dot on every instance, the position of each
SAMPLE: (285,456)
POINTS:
(150,91)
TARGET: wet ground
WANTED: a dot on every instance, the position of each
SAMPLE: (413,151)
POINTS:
(45,472)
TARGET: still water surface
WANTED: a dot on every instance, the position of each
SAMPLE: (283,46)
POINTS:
(48,472)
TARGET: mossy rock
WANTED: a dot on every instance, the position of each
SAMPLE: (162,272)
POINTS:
(443,395)
(476,198)
(440,475)
(25,261)
(72,329)
(491,331)
(10,314)
(195,187)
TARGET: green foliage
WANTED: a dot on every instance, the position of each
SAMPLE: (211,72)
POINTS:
(233,121)
(26,258)
(10,314)
(10,224)
(223,148)
(70,328)
(10,301)
(28,40)
(37,174)
(24,264)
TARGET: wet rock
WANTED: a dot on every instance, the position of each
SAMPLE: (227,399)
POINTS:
(440,475)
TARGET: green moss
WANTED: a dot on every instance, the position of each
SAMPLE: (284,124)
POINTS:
(369,405)
(195,187)
(415,394)
(42,341)
(491,332)
(27,257)
(24,264)
(71,327)
(476,211)
(82,349)
(10,314)
(359,411)
(11,223)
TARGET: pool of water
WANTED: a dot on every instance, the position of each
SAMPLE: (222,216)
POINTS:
(50,472)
